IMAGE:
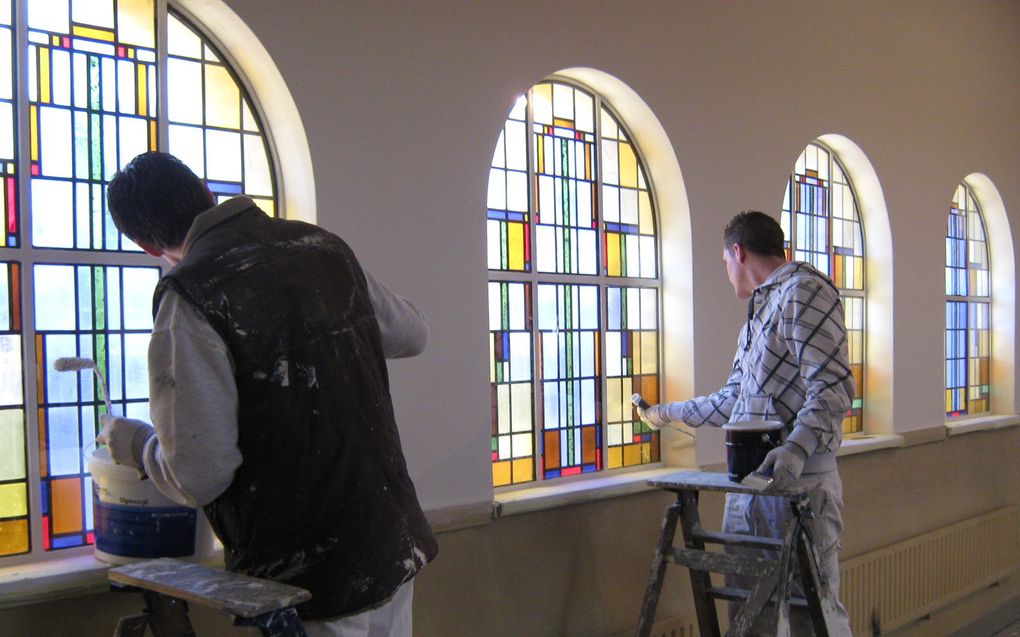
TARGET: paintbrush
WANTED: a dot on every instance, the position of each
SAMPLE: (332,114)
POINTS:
(75,364)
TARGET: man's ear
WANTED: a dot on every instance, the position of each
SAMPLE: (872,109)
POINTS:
(739,253)
(150,250)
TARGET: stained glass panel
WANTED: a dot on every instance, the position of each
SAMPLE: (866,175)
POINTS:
(509,231)
(14,507)
(8,125)
(212,125)
(568,329)
(510,375)
(571,224)
(92,107)
(968,313)
(564,158)
(632,366)
(627,212)
(90,104)
(821,222)
(97,312)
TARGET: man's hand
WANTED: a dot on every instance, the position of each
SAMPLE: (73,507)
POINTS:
(655,416)
(785,464)
(126,439)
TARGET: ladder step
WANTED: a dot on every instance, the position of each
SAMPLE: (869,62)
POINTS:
(741,595)
(737,539)
(744,565)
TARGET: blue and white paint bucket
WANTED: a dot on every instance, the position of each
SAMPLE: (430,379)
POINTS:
(134,521)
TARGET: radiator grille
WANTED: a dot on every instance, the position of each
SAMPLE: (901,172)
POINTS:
(902,582)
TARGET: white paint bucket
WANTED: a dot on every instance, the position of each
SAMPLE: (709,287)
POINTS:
(134,521)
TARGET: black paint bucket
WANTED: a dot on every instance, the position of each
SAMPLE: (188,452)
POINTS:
(747,443)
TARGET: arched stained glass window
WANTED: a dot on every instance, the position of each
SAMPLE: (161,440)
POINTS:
(82,91)
(968,308)
(822,225)
(573,290)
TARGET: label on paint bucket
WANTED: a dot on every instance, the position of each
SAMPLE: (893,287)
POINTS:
(146,532)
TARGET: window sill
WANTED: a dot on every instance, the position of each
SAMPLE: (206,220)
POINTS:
(549,497)
(981,423)
(65,577)
(863,443)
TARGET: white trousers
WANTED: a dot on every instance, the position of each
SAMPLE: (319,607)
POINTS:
(392,619)
(767,516)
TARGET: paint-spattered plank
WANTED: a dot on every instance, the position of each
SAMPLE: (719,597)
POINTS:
(711,481)
(236,594)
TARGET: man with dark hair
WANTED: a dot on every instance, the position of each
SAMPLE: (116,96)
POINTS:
(270,399)
(791,365)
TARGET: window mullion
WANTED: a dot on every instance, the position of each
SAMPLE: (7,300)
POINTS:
(538,413)
(162,121)
(600,260)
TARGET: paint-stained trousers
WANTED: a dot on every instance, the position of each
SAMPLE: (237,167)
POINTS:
(767,516)
(392,619)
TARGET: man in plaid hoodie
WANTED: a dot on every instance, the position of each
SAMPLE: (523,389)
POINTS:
(791,365)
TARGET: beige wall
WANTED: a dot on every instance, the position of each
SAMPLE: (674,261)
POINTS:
(403,103)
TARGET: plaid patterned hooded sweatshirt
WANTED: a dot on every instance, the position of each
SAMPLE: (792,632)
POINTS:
(791,365)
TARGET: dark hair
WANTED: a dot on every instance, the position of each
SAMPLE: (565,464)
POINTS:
(155,199)
(756,232)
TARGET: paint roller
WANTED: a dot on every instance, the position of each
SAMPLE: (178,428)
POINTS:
(75,364)
(641,403)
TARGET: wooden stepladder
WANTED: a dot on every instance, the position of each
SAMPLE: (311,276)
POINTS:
(773,576)
(168,585)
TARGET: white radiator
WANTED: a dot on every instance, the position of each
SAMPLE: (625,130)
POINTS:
(905,581)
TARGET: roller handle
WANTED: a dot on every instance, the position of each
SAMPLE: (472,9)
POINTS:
(639,402)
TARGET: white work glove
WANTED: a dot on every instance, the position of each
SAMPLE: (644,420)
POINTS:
(655,416)
(785,464)
(126,439)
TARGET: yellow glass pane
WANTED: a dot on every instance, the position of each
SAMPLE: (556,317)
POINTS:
(143,86)
(12,443)
(631,455)
(13,500)
(612,254)
(541,104)
(267,206)
(646,222)
(136,22)
(13,537)
(44,75)
(33,130)
(614,398)
(501,473)
(515,246)
(523,470)
(222,98)
(649,352)
(949,400)
(67,505)
(92,33)
(614,458)
(628,166)
(646,452)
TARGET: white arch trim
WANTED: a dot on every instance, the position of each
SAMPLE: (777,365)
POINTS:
(675,244)
(284,130)
(878,355)
(1003,280)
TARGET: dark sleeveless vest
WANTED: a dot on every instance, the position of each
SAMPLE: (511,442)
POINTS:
(322,498)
